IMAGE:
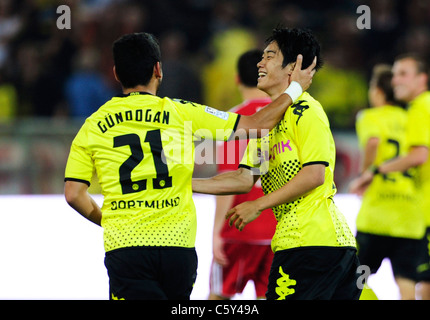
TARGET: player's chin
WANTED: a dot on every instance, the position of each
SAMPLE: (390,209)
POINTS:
(261,83)
(400,94)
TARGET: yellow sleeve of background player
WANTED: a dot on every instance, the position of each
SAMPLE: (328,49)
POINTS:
(418,129)
(79,165)
(366,127)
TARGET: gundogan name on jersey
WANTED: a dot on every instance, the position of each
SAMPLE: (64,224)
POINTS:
(133,115)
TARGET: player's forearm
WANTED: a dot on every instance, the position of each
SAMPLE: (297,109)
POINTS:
(88,208)
(223,204)
(370,151)
(416,157)
(79,199)
(234,182)
(307,179)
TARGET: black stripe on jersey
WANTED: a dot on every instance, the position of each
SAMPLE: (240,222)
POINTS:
(255,171)
(78,180)
(235,127)
(316,162)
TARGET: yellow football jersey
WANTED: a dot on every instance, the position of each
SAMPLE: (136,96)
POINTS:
(302,138)
(390,206)
(142,148)
(419,135)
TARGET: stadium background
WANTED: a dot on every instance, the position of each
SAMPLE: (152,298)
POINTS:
(51,79)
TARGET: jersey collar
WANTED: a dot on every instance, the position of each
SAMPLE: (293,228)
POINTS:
(134,93)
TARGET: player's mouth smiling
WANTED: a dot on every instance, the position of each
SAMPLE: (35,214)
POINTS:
(261,74)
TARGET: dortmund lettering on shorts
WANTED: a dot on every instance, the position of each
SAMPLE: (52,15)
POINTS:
(284,282)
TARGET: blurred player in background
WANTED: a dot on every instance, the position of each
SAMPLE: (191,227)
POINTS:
(142,148)
(315,251)
(410,85)
(390,223)
(241,256)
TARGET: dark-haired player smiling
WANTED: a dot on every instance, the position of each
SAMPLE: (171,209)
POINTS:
(315,251)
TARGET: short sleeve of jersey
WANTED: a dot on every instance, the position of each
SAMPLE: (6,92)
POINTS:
(207,122)
(79,164)
(249,158)
(418,130)
(366,127)
(256,156)
(313,134)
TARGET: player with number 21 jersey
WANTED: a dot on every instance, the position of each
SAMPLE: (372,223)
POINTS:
(141,142)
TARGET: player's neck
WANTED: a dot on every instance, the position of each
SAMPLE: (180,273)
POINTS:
(419,91)
(138,89)
(275,91)
(151,87)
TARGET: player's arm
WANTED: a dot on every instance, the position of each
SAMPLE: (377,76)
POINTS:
(416,156)
(360,184)
(307,179)
(232,182)
(79,199)
(222,205)
(369,154)
(268,117)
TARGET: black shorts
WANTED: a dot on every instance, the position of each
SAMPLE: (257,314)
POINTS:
(404,254)
(424,262)
(314,273)
(151,273)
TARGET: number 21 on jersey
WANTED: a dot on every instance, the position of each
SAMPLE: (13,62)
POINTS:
(162,179)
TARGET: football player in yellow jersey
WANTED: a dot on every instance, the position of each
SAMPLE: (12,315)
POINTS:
(390,223)
(410,85)
(315,252)
(142,148)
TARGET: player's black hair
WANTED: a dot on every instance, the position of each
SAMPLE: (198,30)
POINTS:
(134,57)
(382,75)
(295,41)
(247,67)
(421,62)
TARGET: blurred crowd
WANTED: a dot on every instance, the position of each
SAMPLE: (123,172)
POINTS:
(50,72)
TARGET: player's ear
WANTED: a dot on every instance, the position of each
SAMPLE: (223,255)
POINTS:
(423,78)
(158,72)
(114,73)
(290,67)
(237,79)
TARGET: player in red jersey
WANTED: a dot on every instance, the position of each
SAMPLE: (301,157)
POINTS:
(240,256)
